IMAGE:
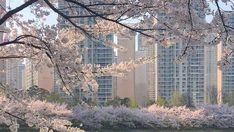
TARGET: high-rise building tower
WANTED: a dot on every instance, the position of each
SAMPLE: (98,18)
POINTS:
(98,53)
(15,73)
(226,76)
(126,85)
(2,29)
(194,77)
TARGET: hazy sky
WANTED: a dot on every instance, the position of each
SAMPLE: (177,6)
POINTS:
(52,19)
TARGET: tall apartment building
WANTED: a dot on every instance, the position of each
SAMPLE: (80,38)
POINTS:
(98,53)
(15,73)
(151,68)
(2,62)
(126,85)
(226,76)
(141,76)
(3,71)
(134,84)
(194,77)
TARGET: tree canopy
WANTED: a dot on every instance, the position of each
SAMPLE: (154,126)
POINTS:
(163,22)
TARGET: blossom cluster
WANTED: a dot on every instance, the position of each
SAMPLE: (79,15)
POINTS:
(155,117)
(39,114)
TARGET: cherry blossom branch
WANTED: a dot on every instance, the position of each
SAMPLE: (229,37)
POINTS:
(50,55)
(18,40)
(190,15)
(108,19)
(67,18)
(17,9)
(12,56)
(222,19)
(105,4)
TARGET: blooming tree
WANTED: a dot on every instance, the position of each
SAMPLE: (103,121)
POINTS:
(162,22)
(19,109)
(154,116)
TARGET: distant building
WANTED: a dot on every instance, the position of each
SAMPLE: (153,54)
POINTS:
(15,73)
(126,85)
(42,77)
(98,53)
(3,71)
(2,62)
(194,77)
(134,84)
(141,74)
(226,76)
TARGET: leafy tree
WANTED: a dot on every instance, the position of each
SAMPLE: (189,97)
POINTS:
(213,96)
(132,104)
(37,93)
(55,97)
(122,102)
(161,102)
(229,99)
(178,99)
(149,102)
(125,101)
(114,102)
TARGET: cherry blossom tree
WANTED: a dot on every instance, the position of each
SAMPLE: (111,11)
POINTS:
(154,117)
(162,22)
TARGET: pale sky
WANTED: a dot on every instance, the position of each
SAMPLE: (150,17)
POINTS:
(51,19)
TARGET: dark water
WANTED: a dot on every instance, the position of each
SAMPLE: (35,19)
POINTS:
(134,130)
(170,130)
(4,129)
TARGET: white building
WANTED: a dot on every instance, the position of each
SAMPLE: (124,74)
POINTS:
(195,76)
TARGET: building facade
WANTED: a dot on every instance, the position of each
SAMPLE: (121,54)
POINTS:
(42,77)
(15,73)
(98,53)
(2,61)
(195,76)
(134,84)
(126,85)
(227,75)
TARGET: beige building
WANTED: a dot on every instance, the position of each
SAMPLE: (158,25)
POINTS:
(43,77)
(210,74)
(134,84)
(225,80)
(144,73)
(141,81)
(219,76)
(126,85)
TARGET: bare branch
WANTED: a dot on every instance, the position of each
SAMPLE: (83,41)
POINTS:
(14,11)
(105,18)
(222,19)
